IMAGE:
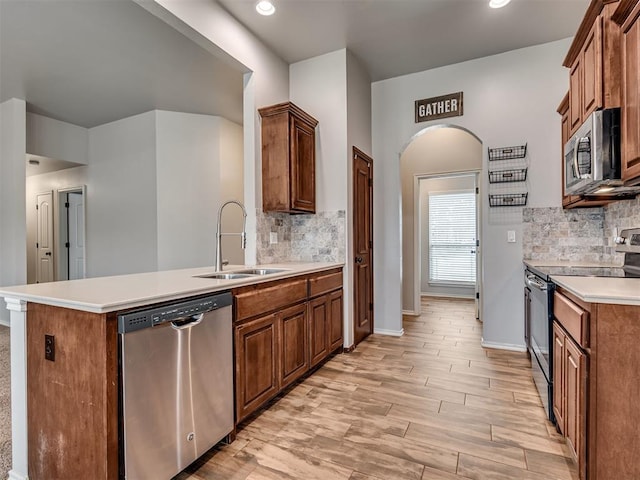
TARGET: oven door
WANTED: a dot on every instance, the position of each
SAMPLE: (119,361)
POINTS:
(539,308)
(540,321)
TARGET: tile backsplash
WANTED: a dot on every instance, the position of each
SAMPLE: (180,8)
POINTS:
(306,238)
(581,234)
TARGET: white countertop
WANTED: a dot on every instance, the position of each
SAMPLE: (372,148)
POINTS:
(108,294)
(622,291)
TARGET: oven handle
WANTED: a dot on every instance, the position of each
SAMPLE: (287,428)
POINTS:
(532,281)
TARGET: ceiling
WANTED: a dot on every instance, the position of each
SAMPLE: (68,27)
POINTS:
(93,62)
(398,37)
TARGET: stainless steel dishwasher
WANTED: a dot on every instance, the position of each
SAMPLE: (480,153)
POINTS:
(176,385)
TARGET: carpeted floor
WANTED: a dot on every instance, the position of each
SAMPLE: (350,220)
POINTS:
(5,403)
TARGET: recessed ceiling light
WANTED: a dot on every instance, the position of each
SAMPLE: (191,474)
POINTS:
(265,7)
(498,3)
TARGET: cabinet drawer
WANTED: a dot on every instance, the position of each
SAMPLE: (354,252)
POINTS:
(324,283)
(573,318)
(259,299)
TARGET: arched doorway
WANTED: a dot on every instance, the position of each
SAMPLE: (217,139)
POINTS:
(438,150)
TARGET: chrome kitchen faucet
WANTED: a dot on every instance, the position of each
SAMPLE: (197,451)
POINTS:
(219,234)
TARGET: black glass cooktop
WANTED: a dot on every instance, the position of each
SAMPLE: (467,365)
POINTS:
(585,271)
(547,271)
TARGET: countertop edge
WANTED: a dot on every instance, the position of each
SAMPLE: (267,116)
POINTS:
(592,295)
(293,270)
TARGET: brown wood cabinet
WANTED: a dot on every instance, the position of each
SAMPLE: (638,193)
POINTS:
(594,64)
(282,330)
(257,362)
(627,15)
(288,159)
(569,406)
(596,384)
(72,404)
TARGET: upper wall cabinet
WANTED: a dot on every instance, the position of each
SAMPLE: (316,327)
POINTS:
(288,159)
(628,16)
(594,63)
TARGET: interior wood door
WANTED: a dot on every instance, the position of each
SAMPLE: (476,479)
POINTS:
(44,237)
(362,244)
(75,234)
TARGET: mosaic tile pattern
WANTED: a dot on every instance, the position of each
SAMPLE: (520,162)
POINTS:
(581,234)
(305,238)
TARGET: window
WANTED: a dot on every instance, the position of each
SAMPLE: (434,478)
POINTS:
(452,237)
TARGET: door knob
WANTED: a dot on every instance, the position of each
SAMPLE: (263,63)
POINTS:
(358,259)
(48,253)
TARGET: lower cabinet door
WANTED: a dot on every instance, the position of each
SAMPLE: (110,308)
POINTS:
(294,343)
(318,330)
(575,418)
(559,395)
(257,363)
(336,338)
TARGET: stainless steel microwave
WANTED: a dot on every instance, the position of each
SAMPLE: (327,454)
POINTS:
(592,155)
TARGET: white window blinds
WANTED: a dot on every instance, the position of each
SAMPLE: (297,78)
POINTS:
(452,237)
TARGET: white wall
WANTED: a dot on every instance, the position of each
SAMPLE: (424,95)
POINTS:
(231,176)
(319,86)
(265,83)
(198,166)
(55,139)
(13,256)
(509,99)
(121,218)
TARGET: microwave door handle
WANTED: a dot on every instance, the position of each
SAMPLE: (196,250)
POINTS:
(576,146)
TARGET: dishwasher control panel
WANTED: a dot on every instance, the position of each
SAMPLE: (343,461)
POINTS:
(149,317)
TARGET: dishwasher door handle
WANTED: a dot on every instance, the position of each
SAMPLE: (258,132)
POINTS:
(534,283)
(187,322)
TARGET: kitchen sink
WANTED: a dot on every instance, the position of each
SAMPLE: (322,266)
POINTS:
(226,276)
(262,271)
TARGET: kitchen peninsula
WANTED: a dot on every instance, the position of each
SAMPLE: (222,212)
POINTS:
(65,413)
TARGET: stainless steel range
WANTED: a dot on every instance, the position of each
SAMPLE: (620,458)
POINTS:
(539,288)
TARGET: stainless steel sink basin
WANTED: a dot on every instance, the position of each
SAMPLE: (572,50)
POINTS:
(227,276)
(262,271)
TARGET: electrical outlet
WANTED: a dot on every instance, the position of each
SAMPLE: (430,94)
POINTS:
(50,347)
(273,237)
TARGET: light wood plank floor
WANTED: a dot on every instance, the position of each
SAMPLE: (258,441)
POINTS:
(432,404)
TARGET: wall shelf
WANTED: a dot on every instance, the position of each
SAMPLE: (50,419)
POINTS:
(508,176)
(508,199)
(507,153)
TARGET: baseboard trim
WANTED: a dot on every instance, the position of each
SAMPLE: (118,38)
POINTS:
(13,475)
(410,313)
(349,349)
(391,333)
(5,323)
(447,295)
(504,346)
